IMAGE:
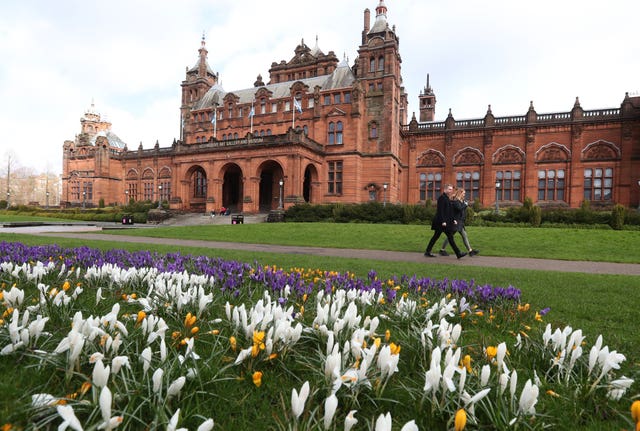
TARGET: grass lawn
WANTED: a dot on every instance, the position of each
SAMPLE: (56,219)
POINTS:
(598,245)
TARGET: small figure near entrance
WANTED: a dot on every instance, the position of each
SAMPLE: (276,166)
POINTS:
(225,211)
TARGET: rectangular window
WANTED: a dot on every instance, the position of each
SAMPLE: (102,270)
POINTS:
(274,107)
(430,186)
(551,185)
(510,185)
(327,99)
(148,191)
(337,98)
(335,178)
(347,97)
(598,184)
(287,106)
(310,102)
(470,182)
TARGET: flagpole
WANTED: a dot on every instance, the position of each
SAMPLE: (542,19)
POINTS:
(215,121)
(293,113)
(251,114)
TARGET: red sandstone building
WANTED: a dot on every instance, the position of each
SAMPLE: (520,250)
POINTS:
(321,131)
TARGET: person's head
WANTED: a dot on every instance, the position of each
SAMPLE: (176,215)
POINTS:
(448,189)
(459,194)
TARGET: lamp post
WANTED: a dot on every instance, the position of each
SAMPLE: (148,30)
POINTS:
(497,194)
(159,196)
(8,199)
(384,196)
(126,197)
(47,200)
(281,183)
(84,199)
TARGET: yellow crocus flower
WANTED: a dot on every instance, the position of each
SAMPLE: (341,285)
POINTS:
(635,412)
(141,316)
(460,420)
(387,336)
(232,342)
(491,352)
(257,378)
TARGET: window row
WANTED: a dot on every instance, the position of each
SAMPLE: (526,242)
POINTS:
(552,185)
(81,191)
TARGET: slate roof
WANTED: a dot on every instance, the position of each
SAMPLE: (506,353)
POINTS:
(342,77)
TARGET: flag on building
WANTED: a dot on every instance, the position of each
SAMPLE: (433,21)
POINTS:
(213,118)
(297,105)
(252,112)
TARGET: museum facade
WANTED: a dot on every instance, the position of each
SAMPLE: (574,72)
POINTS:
(323,131)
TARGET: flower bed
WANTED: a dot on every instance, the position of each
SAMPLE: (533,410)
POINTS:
(99,340)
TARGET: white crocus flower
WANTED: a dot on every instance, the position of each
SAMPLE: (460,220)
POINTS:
(485,374)
(176,386)
(330,406)
(528,398)
(410,426)
(618,387)
(501,352)
(100,374)
(145,358)
(384,422)
(69,418)
(298,400)
(206,425)
(118,362)
(157,380)
(350,420)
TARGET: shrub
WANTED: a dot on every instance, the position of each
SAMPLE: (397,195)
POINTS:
(617,217)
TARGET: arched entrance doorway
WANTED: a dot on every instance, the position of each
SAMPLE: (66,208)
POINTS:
(310,175)
(271,194)
(232,187)
(197,193)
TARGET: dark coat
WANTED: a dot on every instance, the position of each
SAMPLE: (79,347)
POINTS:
(444,214)
(459,213)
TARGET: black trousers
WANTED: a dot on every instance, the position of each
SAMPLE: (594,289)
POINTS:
(436,235)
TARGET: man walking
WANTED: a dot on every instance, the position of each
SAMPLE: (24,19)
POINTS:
(444,221)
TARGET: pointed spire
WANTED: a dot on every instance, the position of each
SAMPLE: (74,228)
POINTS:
(381,9)
(531,106)
(489,110)
(577,103)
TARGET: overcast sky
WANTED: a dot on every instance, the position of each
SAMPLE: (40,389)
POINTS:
(129,57)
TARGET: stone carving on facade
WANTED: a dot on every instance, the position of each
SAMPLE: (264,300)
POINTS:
(576,131)
(627,131)
(508,154)
(601,150)
(448,139)
(468,156)
(553,152)
(531,135)
(430,158)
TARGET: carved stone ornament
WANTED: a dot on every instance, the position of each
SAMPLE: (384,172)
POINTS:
(468,157)
(509,156)
(601,150)
(431,158)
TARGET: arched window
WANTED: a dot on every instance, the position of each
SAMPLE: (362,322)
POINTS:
(199,184)
(339,133)
(372,65)
(268,132)
(381,63)
(263,106)
(373,130)
(235,135)
(306,130)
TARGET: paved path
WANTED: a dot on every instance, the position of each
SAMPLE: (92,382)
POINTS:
(93,233)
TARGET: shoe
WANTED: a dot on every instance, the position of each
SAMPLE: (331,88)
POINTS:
(461,255)
(444,253)
(474,252)
(429,254)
